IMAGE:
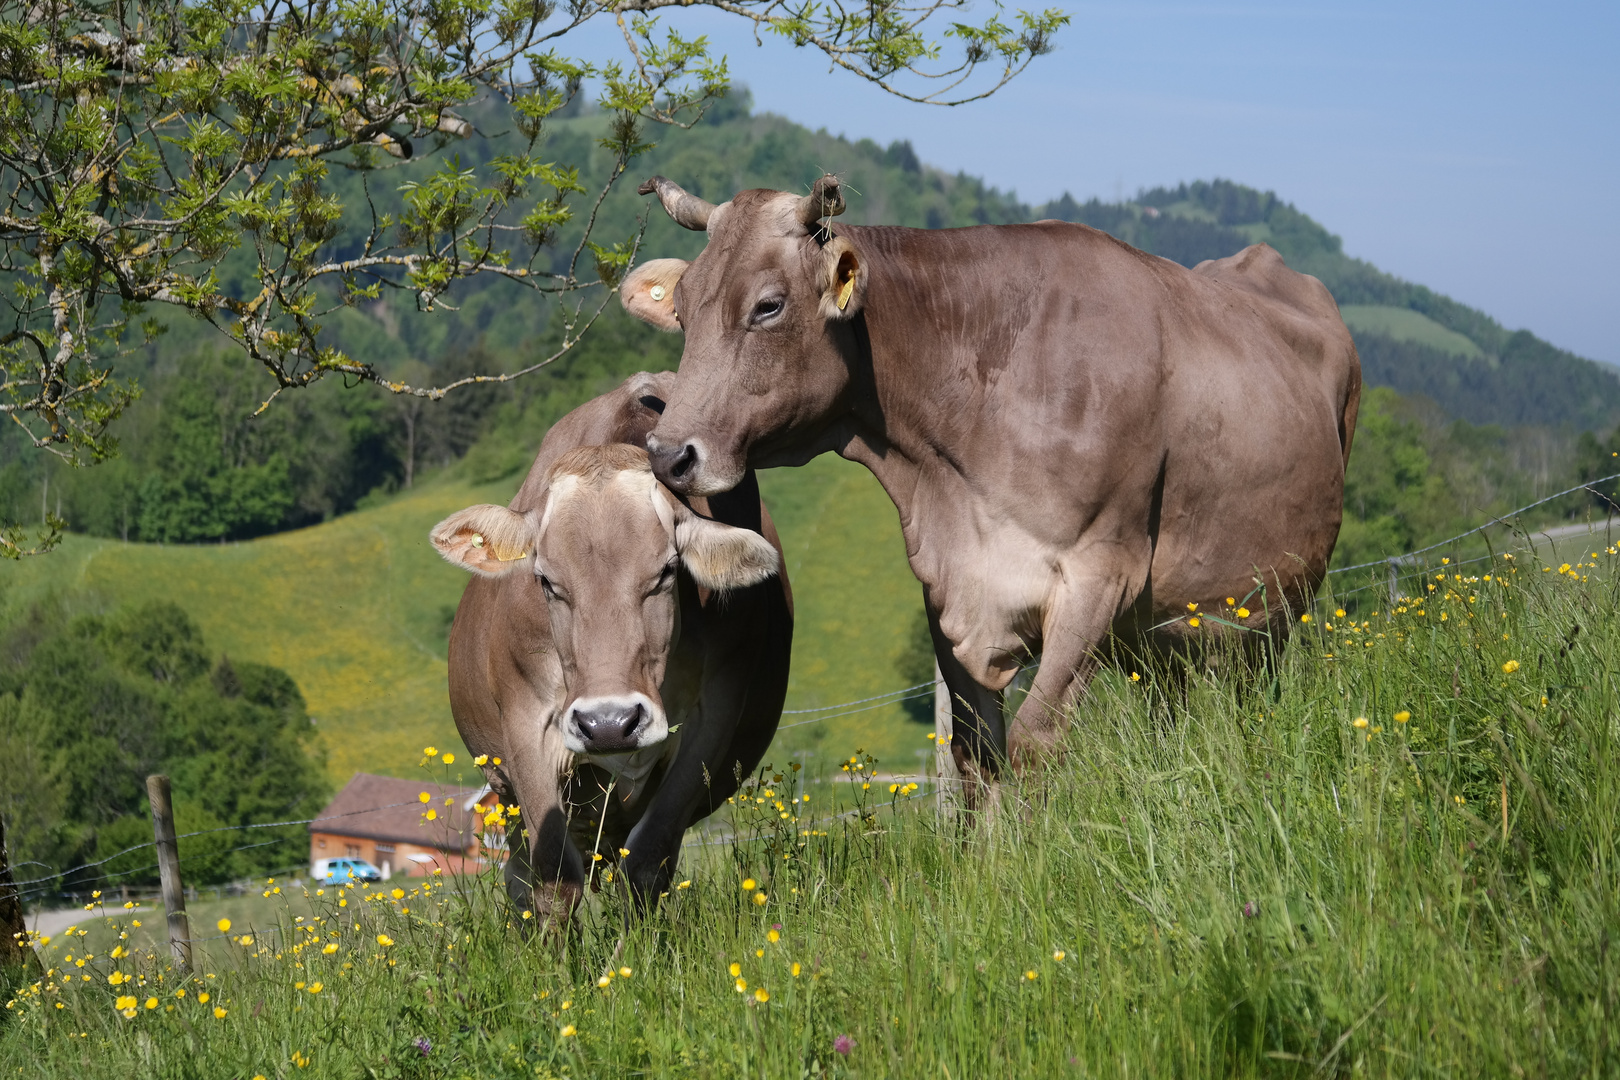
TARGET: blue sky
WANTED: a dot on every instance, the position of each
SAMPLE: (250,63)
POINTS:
(1470,147)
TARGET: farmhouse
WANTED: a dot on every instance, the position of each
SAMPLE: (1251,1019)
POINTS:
(383,820)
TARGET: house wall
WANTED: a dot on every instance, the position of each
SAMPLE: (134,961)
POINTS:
(395,859)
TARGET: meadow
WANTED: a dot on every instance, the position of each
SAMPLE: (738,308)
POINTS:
(1390,852)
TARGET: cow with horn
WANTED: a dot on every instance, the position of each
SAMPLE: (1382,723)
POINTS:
(1090,447)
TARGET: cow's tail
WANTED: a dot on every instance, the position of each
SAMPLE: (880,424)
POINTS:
(1350,405)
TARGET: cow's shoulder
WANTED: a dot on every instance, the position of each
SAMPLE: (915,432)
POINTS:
(625,414)
(1260,270)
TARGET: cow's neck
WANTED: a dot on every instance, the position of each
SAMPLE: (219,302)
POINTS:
(923,363)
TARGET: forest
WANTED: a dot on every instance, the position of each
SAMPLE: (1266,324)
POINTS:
(91,705)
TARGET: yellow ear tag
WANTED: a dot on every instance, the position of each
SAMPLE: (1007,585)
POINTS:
(845,292)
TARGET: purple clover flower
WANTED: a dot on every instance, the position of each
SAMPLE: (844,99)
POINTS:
(844,1044)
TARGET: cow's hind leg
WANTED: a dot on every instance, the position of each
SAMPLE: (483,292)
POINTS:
(978,732)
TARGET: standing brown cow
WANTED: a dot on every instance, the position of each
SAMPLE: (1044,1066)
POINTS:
(1081,439)
(620,659)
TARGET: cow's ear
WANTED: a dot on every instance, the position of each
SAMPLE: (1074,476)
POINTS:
(722,557)
(488,540)
(844,282)
(649,292)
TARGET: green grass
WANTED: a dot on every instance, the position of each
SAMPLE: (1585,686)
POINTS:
(1241,879)
(1403,324)
(357,609)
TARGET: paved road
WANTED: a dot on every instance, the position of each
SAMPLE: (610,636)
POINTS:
(54,922)
(1598,530)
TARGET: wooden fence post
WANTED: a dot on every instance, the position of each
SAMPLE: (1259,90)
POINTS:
(944,765)
(168,849)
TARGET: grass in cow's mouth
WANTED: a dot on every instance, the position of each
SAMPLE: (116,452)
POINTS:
(1397,861)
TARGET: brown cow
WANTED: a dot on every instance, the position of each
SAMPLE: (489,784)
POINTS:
(620,659)
(1081,439)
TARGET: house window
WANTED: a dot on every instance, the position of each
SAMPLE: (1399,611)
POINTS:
(352,850)
(320,843)
(385,849)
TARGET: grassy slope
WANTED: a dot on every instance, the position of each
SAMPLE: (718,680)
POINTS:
(1404,324)
(1254,885)
(355,610)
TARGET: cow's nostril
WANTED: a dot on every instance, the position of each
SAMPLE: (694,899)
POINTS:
(609,725)
(684,461)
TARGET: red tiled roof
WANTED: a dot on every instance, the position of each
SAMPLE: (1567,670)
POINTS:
(387,808)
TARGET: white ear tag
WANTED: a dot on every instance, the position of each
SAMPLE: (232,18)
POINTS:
(657,292)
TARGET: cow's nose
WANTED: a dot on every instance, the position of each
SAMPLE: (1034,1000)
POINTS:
(675,465)
(609,725)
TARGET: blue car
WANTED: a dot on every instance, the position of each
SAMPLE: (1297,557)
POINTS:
(343,871)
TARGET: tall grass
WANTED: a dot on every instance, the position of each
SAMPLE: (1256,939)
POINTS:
(1392,854)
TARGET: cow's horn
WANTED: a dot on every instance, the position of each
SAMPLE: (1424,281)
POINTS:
(826,199)
(686,209)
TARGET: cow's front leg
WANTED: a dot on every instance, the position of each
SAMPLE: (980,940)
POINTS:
(728,734)
(1077,623)
(544,871)
(978,733)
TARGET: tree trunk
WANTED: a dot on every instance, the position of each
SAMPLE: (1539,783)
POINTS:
(410,413)
(15,953)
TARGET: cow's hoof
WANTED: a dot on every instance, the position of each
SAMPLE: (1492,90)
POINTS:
(1030,748)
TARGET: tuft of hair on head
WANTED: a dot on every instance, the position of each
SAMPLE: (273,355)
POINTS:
(595,465)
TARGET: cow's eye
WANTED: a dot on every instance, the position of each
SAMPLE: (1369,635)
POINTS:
(547,587)
(768,308)
(666,575)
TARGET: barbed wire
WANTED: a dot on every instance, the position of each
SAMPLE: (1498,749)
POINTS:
(207,832)
(860,701)
(1502,519)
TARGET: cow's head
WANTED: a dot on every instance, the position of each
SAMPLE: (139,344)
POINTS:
(766,309)
(605,547)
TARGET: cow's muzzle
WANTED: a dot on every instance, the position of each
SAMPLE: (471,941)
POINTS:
(676,465)
(611,725)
